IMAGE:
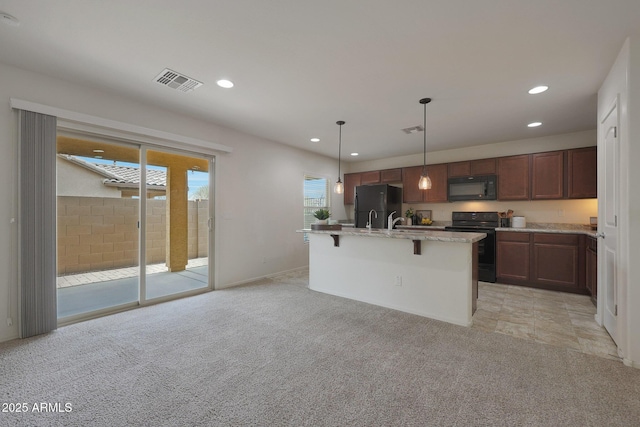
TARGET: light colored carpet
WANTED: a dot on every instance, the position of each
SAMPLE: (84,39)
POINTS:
(276,353)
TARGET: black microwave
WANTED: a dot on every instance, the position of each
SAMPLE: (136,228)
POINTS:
(473,188)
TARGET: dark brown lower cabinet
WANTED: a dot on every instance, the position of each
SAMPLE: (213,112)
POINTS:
(591,259)
(513,256)
(542,260)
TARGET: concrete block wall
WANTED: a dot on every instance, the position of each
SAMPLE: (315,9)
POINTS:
(97,233)
(156,231)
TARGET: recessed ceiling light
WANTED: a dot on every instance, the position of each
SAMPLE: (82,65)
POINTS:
(98,151)
(9,20)
(538,89)
(227,84)
(354,154)
(534,124)
(315,139)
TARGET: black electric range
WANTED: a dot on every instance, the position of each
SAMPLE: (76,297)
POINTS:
(480,222)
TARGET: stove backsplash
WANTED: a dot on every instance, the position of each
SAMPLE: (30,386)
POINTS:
(540,211)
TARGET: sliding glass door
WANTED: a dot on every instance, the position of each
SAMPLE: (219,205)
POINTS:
(97,226)
(103,264)
(177,224)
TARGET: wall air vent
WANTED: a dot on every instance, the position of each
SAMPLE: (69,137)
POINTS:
(176,80)
(413,129)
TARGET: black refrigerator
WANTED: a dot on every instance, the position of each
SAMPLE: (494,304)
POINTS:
(381,198)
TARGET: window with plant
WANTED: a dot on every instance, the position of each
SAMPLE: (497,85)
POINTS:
(316,197)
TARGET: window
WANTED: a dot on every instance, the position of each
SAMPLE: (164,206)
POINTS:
(316,192)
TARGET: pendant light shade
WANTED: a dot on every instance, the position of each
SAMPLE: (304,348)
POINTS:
(338,188)
(425,181)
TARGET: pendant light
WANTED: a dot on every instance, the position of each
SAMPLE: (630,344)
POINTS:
(425,181)
(339,187)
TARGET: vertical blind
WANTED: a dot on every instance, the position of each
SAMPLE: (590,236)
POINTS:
(38,305)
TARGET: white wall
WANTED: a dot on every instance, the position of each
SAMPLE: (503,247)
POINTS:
(74,180)
(258,187)
(623,81)
(499,149)
(549,211)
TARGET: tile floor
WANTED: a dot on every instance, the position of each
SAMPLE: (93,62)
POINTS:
(555,318)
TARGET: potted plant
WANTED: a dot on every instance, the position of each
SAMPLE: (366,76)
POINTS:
(321,215)
(408,215)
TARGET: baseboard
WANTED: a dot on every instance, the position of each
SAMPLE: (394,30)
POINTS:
(256,279)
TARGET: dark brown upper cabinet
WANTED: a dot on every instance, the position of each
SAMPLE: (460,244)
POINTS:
(371,177)
(391,176)
(547,175)
(582,173)
(351,181)
(513,178)
(410,191)
(473,168)
(438,192)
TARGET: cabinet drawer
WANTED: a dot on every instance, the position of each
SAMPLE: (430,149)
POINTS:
(592,243)
(512,236)
(557,239)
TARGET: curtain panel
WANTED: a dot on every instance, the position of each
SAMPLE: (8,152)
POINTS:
(37,201)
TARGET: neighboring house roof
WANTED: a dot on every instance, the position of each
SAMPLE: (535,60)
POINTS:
(121,176)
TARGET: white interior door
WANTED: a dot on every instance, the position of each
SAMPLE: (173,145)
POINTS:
(609,214)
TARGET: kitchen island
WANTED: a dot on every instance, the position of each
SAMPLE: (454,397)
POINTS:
(429,273)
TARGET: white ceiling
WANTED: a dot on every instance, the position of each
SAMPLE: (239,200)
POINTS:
(301,65)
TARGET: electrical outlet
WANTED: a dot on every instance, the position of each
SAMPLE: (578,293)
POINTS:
(398,280)
(9,321)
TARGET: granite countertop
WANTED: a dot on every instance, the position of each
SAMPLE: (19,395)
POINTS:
(435,235)
(535,227)
(420,227)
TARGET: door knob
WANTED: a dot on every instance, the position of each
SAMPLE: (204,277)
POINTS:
(601,235)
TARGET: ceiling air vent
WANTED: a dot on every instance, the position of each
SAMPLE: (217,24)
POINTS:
(414,129)
(176,80)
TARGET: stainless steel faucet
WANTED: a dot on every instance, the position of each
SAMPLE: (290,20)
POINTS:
(369,223)
(391,222)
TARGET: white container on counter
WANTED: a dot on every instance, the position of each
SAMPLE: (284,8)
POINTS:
(518,222)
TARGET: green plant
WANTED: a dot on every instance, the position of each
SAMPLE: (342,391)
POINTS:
(409,213)
(322,214)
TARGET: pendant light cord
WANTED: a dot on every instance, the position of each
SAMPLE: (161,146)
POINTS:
(339,148)
(424,101)
(424,139)
(339,123)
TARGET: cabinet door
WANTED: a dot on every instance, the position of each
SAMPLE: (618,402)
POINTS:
(371,177)
(513,178)
(438,192)
(513,256)
(556,260)
(483,167)
(591,260)
(547,175)
(410,191)
(459,169)
(391,176)
(351,181)
(473,168)
(582,176)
